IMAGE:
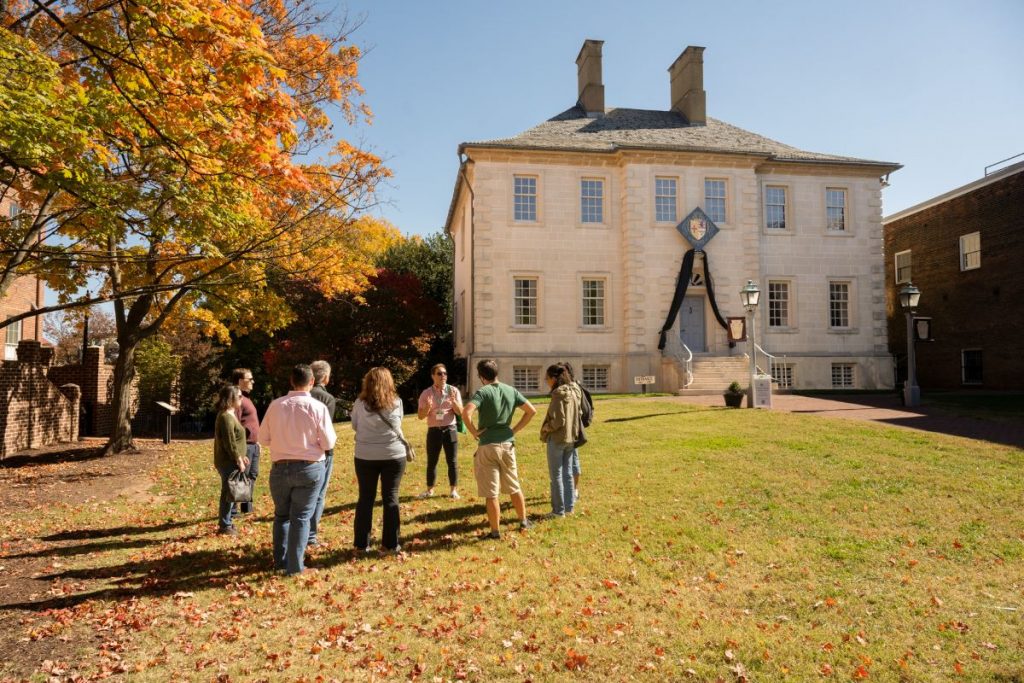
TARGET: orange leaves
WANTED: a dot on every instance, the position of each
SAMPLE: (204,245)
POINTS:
(610,583)
(575,661)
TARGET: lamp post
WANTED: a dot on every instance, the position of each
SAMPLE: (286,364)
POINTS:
(909,296)
(749,296)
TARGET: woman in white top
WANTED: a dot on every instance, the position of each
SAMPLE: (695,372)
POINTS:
(379,456)
(439,404)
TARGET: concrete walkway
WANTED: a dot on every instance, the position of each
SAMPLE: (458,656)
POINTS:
(886,408)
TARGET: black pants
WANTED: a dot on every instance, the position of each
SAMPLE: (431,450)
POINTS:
(389,474)
(438,438)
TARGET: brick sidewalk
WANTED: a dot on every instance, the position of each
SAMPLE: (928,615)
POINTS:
(886,408)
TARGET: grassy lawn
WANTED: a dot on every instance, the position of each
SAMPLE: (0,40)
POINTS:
(708,544)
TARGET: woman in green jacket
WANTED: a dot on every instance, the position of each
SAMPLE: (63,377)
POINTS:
(228,451)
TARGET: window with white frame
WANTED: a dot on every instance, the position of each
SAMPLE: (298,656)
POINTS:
(970,251)
(835,208)
(838,304)
(902,267)
(782,375)
(842,375)
(525,301)
(970,366)
(592,200)
(13,210)
(526,377)
(593,302)
(775,207)
(714,199)
(778,303)
(665,191)
(524,193)
(13,337)
(595,377)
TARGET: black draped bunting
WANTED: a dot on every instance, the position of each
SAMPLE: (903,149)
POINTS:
(685,273)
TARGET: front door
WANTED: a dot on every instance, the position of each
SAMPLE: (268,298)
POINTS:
(691,323)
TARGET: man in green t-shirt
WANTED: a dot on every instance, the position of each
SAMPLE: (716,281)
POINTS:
(494,462)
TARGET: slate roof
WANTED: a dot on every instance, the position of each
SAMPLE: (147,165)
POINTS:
(623,128)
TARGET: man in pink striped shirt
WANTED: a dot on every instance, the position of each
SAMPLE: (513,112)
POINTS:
(297,429)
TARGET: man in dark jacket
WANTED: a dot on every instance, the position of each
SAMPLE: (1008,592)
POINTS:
(321,376)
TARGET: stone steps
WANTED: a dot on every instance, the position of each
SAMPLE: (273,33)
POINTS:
(712,374)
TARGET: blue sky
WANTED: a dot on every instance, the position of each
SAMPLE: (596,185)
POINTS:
(937,86)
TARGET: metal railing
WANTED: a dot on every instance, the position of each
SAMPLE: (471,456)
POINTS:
(769,358)
(676,349)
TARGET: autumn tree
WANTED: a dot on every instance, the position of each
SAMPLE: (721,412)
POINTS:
(187,192)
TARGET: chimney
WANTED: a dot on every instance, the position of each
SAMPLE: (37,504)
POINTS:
(588,64)
(687,78)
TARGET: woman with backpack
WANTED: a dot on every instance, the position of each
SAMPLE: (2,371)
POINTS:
(561,431)
(439,405)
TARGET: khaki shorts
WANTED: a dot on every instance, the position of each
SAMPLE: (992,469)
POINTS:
(494,465)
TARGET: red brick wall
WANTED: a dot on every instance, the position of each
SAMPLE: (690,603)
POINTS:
(978,308)
(96,378)
(34,412)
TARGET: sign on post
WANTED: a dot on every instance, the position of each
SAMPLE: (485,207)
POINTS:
(643,381)
(762,391)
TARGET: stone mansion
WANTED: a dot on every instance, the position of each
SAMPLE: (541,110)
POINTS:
(574,238)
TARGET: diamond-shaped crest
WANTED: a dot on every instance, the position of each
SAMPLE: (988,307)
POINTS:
(697,228)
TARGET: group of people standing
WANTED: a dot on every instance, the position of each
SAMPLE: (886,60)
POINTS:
(297,430)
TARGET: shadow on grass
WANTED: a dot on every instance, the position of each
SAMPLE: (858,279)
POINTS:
(84,534)
(190,571)
(111,543)
(193,570)
(650,415)
(82,454)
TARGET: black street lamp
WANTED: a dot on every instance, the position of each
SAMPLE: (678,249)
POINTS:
(749,296)
(909,297)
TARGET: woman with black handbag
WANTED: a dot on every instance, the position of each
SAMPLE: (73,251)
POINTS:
(229,454)
(380,456)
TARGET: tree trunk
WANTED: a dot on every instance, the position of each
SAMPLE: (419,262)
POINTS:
(124,373)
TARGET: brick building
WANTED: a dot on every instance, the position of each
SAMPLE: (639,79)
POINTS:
(25,294)
(964,250)
(574,238)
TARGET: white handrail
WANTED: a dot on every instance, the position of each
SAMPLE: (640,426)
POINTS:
(689,364)
(770,357)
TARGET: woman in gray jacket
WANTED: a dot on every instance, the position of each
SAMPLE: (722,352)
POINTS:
(560,430)
(379,456)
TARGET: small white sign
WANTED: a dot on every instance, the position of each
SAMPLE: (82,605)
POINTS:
(643,379)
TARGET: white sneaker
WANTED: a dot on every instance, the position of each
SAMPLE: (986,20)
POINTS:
(455,495)
(576,495)
(426,494)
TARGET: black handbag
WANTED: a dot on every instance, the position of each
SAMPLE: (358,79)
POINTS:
(240,487)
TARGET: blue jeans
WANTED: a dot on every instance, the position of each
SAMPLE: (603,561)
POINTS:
(575,462)
(293,486)
(321,496)
(560,472)
(226,508)
(252,451)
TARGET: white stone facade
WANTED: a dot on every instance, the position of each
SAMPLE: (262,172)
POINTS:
(638,259)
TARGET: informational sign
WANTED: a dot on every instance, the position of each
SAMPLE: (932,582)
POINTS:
(762,391)
(166,406)
(644,379)
(737,329)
